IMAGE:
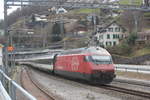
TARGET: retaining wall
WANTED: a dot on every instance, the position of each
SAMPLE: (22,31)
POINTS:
(135,60)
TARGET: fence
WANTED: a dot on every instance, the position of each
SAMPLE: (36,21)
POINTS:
(133,68)
(15,91)
(3,93)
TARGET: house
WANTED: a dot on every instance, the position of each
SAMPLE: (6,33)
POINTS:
(77,30)
(61,10)
(80,28)
(143,37)
(42,18)
(110,35)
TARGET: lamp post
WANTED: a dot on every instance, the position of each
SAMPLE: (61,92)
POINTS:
(6,37)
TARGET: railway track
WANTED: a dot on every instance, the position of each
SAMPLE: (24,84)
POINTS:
(112,88)
(139,83)
(35,83)
(127,91)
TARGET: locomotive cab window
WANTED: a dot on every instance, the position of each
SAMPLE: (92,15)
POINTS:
(96,59)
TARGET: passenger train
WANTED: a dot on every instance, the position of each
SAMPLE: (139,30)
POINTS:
(93,64)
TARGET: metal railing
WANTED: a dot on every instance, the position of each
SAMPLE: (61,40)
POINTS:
(15,91)
(133,68)
(3,93)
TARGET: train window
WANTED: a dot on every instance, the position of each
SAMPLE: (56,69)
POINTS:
(43,61)
(103,58)
(99,59)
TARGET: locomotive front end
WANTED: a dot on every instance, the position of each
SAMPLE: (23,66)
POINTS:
(102,68)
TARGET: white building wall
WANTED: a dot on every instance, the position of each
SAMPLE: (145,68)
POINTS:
(114,36)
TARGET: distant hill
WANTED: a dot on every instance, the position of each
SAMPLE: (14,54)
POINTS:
(134,2)
(91,1)
(87,1)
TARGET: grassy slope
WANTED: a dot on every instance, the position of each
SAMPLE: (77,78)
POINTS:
(85,10)
(140,52)
(135,2)
(144,50)
(147,14)
(137,53)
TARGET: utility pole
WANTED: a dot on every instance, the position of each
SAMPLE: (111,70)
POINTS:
(6,37)
(62,28)
(136,16)
(136,23)
(5,18)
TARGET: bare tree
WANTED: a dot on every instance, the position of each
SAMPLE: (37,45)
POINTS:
(132,20)
(47,33)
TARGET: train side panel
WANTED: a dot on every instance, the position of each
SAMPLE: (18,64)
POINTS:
(78,67)
(72,66)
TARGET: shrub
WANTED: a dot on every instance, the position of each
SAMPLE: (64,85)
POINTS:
(147,44)
(56,33)
(131,39)
(122,49)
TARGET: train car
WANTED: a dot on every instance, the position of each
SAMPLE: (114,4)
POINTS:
(44,62)
(93,64)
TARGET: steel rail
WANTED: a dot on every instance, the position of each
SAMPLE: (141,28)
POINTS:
(36,84)
(127,91)
(12,85)
(133,82)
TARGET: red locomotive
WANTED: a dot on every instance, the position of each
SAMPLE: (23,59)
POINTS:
(93,64)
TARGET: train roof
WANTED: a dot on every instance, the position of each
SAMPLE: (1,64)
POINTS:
(91,49)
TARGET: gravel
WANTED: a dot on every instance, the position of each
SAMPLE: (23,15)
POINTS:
(31,88)
(131,86)
(71,90)
(67,90)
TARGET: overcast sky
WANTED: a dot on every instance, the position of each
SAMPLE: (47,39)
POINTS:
(2,9)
